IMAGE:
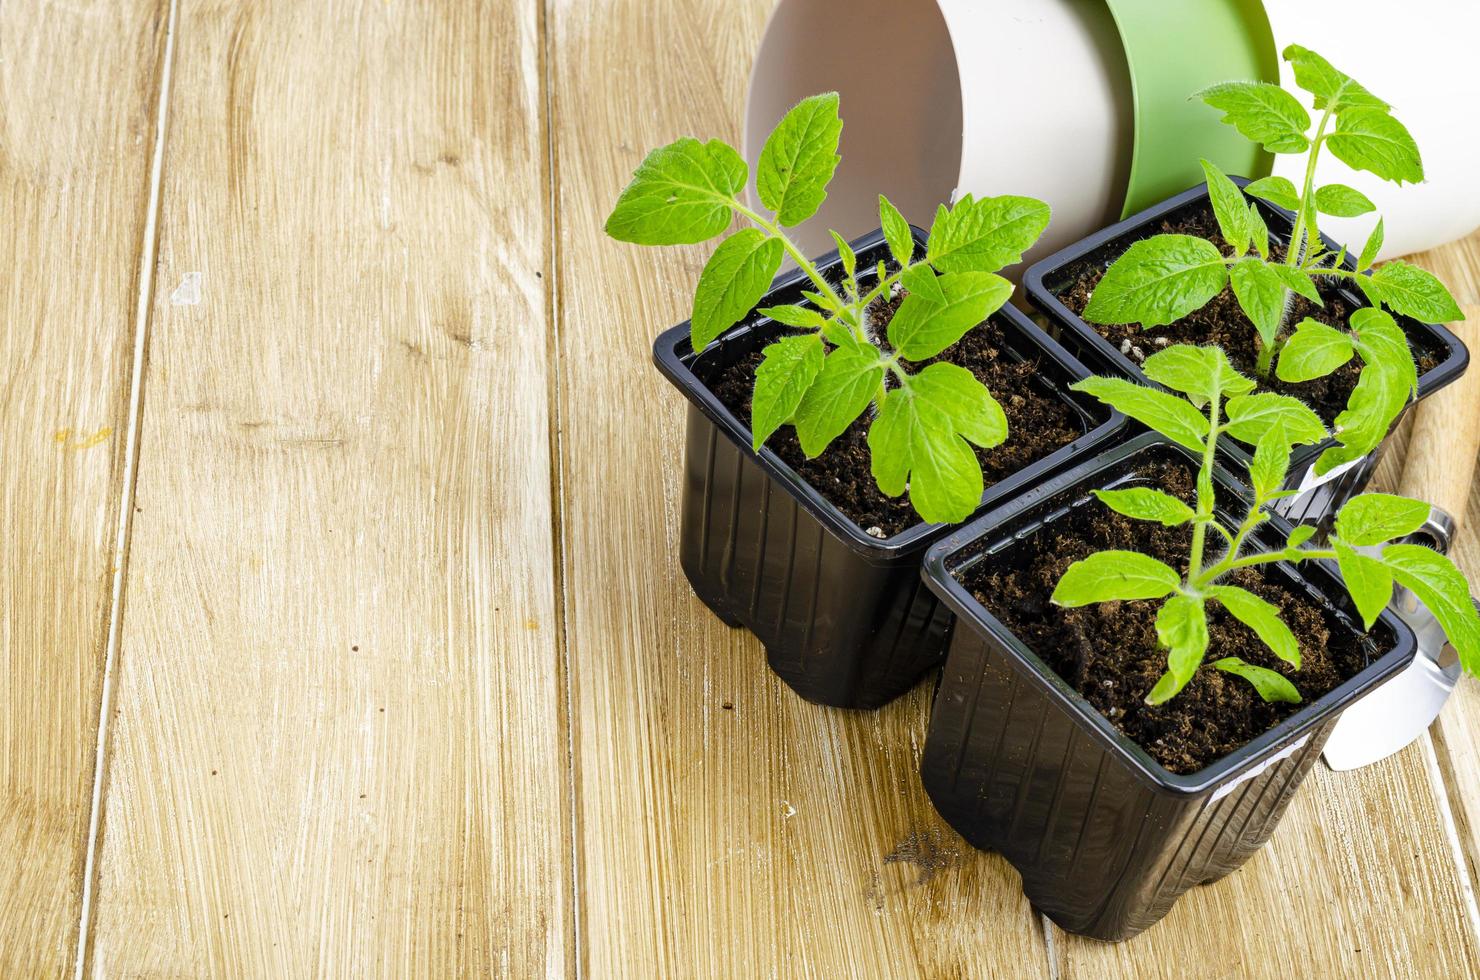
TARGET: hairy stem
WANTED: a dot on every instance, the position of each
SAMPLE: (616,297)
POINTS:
(1204,501)
(1295,253)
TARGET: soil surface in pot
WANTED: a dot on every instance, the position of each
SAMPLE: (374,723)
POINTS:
(1038,425)
(1109,652)
(1221,322)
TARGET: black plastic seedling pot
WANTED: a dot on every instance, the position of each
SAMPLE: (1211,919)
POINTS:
(844,617)
(1105,838)
(1322,495)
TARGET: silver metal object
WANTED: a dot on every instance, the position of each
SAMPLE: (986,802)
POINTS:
(1399,711)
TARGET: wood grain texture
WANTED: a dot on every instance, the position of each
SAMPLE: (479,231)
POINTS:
(726,827)
(79,84)
(338,749)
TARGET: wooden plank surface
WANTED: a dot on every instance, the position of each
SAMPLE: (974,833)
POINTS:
(79,85)
(726,828)
(339,746)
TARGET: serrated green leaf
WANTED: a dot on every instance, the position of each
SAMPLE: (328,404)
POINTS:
(1182,628)
(1263,113)
(1159,280)
(1376,518)
(1299,535)
(922,280)
(1261,616)
(922,329)
(1271,462)
(1171,416)
(896,232)
(1416,293)
(1442,588)
(1368,582)
(1330,87)
(1372,140)
(822,301)
(1260,231)
(917,440)
(1201,373)
(794,316)
(1229,208)
(1387,381)
(846,254)
(1370,250)
(987,234)
(1107,575)
(734,279)
(1341,201)
(848,382)
(1270,685)
(1260,292)
(799,158)
(680,194)
(1314,350)
(787,369)
(1251,416)
(1278,191)
(1146,504)
(1297,282)
(839,334)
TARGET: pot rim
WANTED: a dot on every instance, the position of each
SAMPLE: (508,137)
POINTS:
(1243,761)
(671,352)
(1455,359)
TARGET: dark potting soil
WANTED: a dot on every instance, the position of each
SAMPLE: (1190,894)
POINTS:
(1109,652)
(1221,322)
(1038,424)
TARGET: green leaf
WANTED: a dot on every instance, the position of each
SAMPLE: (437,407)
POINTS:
(1251,416)
(1263,618)
(1376,518)
(1159,280)
(1341,201)
(1167,414)
(681,194)
(922,280)
(794,316)
(1271,462)
(1388,379)
(1299,535)
(1313,351)
(734,279)
(896,232)
(822,301)
(1278,191)
(1372,140)
(1182,628)
(799,158)
(1442,588)
(1229,207)
(846,253)
(1146,504)
(847,383)
(987,234)
(1330,87)
(921,329)
(920,440)
(1416,293)
(1107,575)
(787,369)
(1368,582)
(1263,113)
(1270,685)
(839,334)
(1260,292)
(1260,231)
(1201,373)
(1297,282)
(1370,250)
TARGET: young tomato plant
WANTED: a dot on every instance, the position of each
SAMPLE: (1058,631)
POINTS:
(1164,278)
(1219,401)
(830,368)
